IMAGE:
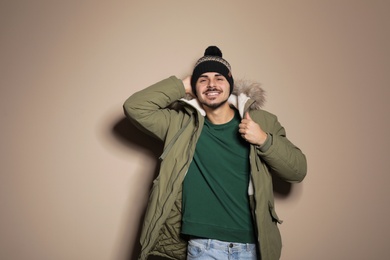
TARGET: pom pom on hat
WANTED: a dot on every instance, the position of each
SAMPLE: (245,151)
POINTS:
(213,51)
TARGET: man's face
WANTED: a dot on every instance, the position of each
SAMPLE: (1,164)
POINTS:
(213,90)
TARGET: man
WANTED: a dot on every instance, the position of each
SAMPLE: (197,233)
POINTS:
(213,197)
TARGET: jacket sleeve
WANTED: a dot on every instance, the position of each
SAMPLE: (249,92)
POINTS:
(147,109)
(282,157)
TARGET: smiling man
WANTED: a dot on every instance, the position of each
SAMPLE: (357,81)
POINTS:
(213,198)
(214,90)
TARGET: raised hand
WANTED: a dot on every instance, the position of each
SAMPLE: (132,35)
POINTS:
(251,131)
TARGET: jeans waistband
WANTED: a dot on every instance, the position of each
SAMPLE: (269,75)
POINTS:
(222,245)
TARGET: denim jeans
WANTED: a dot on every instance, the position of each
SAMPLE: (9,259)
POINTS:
(206,249)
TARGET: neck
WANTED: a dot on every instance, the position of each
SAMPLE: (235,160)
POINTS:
(219,116)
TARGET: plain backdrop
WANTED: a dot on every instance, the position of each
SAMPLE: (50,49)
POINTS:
(75,174)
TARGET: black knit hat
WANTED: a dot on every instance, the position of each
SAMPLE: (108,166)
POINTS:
(212,61)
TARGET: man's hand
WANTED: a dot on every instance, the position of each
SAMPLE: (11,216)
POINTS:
(187,85)
(251,131)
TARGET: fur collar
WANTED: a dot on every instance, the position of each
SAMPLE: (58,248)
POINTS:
(252,90)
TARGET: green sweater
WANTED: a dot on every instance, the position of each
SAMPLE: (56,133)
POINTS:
(215,189)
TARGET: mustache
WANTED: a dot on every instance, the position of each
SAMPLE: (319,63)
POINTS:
(212,89)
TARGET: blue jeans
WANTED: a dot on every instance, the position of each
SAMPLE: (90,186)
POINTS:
(206,249)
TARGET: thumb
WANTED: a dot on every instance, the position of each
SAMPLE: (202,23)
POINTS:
(247,116)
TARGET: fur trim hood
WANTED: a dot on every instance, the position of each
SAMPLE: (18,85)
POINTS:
(243,91)
(252,90)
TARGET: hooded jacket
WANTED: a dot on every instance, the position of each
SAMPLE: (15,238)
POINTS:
(164,111)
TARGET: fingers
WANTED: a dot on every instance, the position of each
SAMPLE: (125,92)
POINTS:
(187,85)
(249,129)
(245,123)
(243,129)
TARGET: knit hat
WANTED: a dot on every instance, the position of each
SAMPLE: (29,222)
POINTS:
(212,61)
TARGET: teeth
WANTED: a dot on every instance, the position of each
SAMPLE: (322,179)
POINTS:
(212,93)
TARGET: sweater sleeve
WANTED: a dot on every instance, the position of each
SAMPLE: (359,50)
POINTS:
(148,108)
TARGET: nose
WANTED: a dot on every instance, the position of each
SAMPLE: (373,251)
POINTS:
(212,83)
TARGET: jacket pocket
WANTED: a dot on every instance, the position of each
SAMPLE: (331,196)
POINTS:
(273,213)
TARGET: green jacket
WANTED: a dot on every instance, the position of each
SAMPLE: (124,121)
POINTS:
(162,111)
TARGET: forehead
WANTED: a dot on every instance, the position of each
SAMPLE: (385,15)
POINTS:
(211,74)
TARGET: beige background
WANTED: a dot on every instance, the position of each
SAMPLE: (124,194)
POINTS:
(74,174)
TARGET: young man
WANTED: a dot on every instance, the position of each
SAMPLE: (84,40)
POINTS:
(213,197)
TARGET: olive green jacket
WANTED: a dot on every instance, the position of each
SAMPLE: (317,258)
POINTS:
(162,111)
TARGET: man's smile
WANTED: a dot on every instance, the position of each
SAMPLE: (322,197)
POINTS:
(212,93)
